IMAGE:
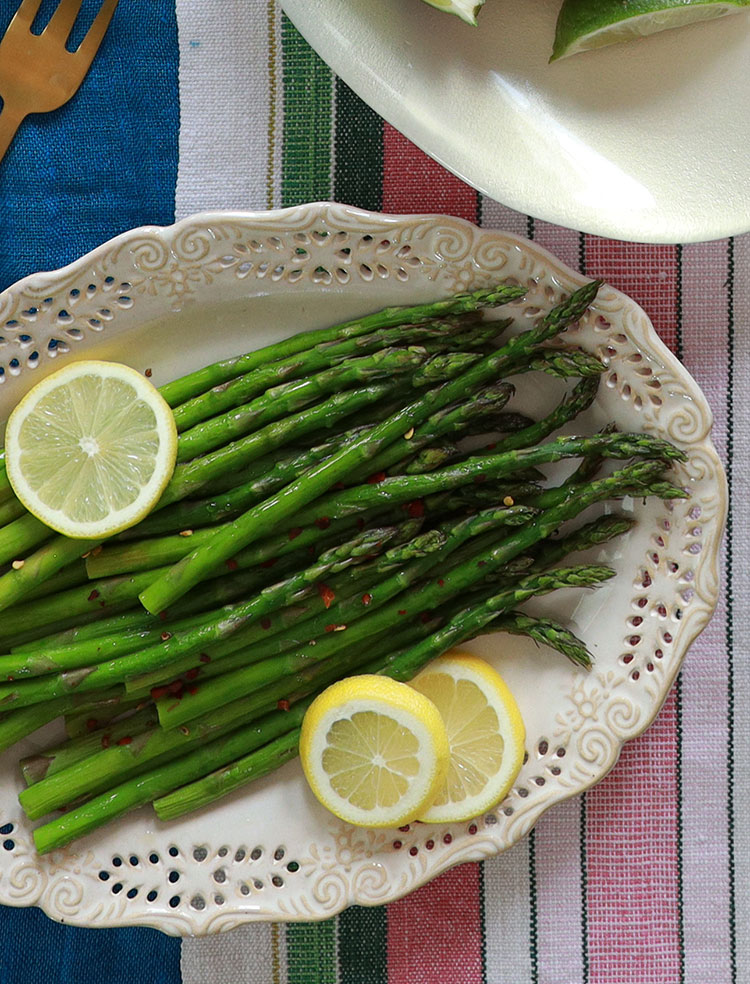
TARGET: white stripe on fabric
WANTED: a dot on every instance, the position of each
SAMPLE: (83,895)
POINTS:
(705,877)
(507,916)
(241,956)
(558,878)
(740,546)
(224,107)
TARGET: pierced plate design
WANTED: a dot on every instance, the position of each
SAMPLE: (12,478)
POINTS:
(169,300)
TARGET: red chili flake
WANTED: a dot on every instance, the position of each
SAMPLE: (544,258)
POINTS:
(441,582)
(265,622)
(491,447)
(102,604)
(425,617)
(447,839)
(339,486)
(163,615)
(330,628)
(175,687)
(11,678)
(402,611)
(232,564)
(376,479)
(165,635)
(158,692)
(473,828)
(294,532)
(413,851)
(415,509)
(366,599)
(360,523)
(481,563)
(92,724)
(147,374)
(478,479)
(323,522)
(326,594)
(105,741)
(311,551)
(397,845)
(204,658)
(124,741)
(192,674)
(192,690)
(93,596)
(269,563)
(283,705)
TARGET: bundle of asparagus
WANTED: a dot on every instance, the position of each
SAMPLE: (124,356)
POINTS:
(184,653)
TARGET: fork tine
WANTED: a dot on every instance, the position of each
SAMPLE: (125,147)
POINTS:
(25,14)
(63,20)
(90,44)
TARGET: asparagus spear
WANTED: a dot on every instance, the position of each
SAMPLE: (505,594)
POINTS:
(580,399)
(198,382)
(564,363)
(19,537)
(17,724)
(90,655)
(283,400)
(10,510)
(242,389)
(247,528)
(546,632)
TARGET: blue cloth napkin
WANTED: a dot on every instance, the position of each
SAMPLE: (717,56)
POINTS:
(103,163)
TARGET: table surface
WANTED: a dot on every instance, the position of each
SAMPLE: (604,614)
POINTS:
(195,105)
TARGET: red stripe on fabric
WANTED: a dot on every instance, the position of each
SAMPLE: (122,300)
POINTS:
(632,816)
(435,934)
(646,273)
(413,182)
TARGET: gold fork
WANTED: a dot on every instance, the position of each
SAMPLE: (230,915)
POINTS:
(37,72)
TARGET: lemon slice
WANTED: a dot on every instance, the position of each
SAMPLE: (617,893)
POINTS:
(586,24)
(485,732)
(467,10)
(90,449)
(374,751)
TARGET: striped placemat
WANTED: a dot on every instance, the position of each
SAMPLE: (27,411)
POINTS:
(206,105)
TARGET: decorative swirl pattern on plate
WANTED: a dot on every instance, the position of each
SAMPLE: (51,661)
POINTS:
(140,278)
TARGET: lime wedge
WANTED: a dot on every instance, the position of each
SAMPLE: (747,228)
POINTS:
(90,449)
(467,10)
(586,24)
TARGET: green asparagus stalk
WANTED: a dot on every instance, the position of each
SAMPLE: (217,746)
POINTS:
(311,484)
(10,510)
(17,724)
(111,650)
(565,363)
(187,387)
(243,389)
(21,536)
(546,632)
(283,400)
(580,399)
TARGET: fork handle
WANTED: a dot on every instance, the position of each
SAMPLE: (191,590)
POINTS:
(10,119)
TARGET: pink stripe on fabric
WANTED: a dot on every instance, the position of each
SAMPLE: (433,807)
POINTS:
(413,182)
(435,935)
(632,816)
(705,730)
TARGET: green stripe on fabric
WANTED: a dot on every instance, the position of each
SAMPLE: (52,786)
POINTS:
(729,570)
(308,92)
(678,689)
(311,953)
(358,145)
(362,937)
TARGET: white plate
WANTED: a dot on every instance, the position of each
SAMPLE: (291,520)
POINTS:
(646,141)
(173,299)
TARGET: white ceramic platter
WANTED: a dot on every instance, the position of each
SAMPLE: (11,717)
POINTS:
(644,141)
(174,299)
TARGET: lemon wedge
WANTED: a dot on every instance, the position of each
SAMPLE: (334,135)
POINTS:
(485,733)
(90,449)
(586,24)
(374,751)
